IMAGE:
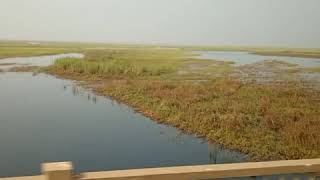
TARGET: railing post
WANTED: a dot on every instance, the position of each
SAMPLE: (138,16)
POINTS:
(314,176)
(317,176)
(58,171)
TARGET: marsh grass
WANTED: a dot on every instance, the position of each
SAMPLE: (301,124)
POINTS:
(274,121)
(126,63)
(107,68)
(268,122)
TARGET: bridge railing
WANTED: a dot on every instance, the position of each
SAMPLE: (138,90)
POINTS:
(64,171)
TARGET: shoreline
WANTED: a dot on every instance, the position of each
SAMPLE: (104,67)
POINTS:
(252,153)
(91,86)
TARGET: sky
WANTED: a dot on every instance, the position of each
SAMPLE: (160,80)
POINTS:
(286,23)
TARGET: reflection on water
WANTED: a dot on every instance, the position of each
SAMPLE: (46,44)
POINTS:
(213,153)
(243,58)
(79,91)
(217,154)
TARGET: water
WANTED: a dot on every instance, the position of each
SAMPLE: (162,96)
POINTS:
(8,63)
(243,58)
(45,119)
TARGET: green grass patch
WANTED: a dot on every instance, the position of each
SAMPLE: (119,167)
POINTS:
(125,63)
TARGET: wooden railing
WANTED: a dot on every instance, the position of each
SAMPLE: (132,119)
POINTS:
(64,171)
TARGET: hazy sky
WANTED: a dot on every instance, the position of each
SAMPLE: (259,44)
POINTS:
(294,23)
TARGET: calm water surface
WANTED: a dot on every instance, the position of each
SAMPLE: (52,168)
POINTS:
(45,119)
(7,63)
(243,58)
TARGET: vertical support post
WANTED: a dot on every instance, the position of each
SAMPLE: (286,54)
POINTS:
(314,176)
(57,171)
(317,176)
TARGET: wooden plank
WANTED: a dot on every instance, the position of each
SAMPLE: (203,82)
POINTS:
(210,171)
(25,178)
(57,170)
